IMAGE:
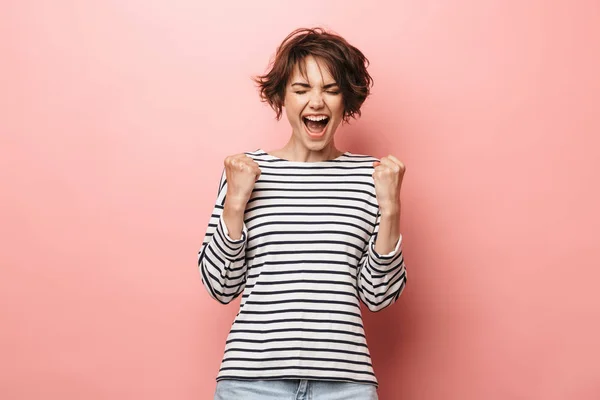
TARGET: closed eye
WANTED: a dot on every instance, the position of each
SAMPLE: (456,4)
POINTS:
(328,91)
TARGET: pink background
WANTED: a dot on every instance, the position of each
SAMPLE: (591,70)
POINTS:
(115,117)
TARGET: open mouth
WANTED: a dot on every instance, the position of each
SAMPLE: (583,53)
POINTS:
(315,125)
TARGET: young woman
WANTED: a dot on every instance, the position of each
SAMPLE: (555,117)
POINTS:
(305,233)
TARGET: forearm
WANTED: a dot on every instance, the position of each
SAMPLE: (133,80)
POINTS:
(383,276)
(233,215)
(222,263)
(389,230)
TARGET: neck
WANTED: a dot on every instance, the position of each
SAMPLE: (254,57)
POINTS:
(294,151)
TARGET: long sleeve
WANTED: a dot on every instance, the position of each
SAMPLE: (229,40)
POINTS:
(381,277)
(222,260)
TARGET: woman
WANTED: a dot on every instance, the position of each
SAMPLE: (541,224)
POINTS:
(305,233)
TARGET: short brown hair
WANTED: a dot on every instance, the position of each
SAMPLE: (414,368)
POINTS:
(345,63)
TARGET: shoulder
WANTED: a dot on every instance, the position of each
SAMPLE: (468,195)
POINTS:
(357,157)
(257,154)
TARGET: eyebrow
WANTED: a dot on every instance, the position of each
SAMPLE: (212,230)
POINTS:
(329,85)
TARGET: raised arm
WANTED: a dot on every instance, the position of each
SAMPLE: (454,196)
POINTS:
(222,257)
(382,273)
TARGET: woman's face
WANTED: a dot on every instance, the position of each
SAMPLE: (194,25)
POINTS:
(313,105)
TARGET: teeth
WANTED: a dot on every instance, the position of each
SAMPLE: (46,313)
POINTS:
(316,117)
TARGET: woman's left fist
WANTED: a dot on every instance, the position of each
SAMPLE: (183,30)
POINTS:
(388,176)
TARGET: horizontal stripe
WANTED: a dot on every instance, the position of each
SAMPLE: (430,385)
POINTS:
(291,243)
(303,376)
(319,359)
(303,320)
(322,302)
(293,310)
(283,330)
(304,339)
(295,291)
(354,371)
(301,349)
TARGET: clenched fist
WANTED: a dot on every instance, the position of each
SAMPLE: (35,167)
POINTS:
(242,172)
(388,177)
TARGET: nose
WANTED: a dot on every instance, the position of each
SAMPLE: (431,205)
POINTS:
(316,101)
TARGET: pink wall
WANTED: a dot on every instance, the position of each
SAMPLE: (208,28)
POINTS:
(115,117)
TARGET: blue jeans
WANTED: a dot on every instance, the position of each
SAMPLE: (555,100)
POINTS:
(293,389)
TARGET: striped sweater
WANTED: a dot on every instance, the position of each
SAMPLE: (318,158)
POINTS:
(304,262)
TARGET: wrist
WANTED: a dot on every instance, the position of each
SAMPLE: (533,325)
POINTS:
(389,211)
(234,206)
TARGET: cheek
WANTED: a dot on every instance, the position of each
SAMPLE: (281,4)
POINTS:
(288,114)
(290,106)
(339,107)
(291,112)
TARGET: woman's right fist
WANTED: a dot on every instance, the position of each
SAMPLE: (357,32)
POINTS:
(241,172)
